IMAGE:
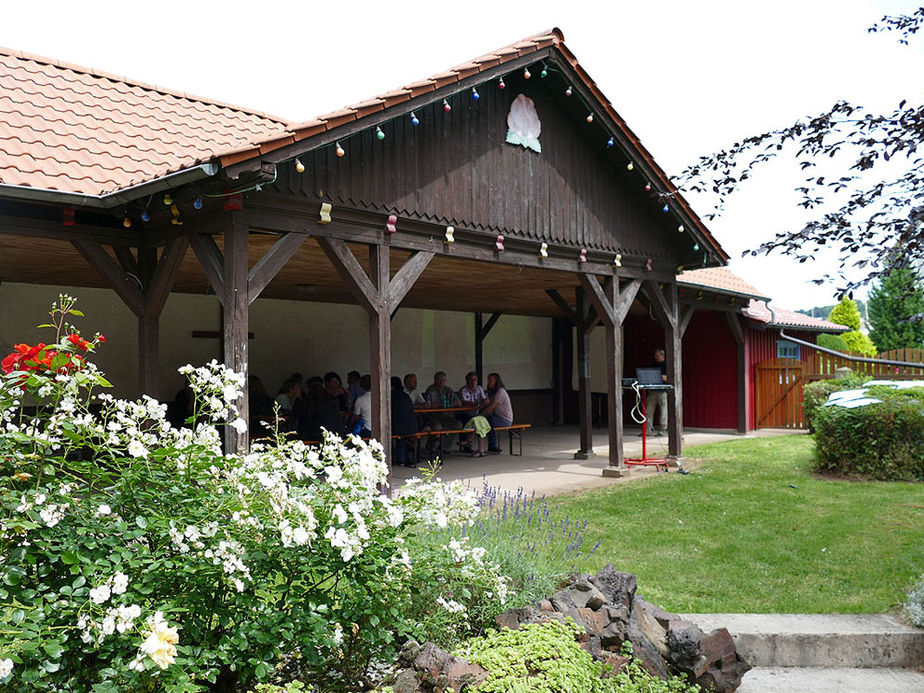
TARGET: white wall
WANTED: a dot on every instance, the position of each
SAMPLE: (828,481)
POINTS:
(289,336)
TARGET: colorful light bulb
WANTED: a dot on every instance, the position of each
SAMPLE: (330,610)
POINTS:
(680,229)
(299,166)
(568,91)
(526,74)
(446,106)
(340,151)
(665,208)
(610,142)
(544,72)
(197,203)
(696,246)
(500,84)
(414,119)
(475,94)
(379,133)
(168,199)
(647,187)
(590,117)
(127,223)
(145,216)
(630,166)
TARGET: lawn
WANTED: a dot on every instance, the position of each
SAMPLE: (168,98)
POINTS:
(752,529)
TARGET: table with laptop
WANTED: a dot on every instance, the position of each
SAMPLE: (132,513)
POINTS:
(645,379)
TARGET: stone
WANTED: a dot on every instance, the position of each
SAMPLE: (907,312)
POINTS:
(545,605)
(648,641)
(717,645)
(514,618)
(616,587)
(406,682)
(613,663)
(599,623)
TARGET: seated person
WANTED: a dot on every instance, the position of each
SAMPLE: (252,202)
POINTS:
(410,389)
(498,410)
(470,393)
(403,422)
(321,412)
(439,394)
(362,409)
(354,389)
(261,407)
(180,410)
(334,387)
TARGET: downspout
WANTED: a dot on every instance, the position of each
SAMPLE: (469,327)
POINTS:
(846,357)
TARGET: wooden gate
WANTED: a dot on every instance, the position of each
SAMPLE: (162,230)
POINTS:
(778,393)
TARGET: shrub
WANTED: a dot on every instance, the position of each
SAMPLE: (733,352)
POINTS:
(518,536)
(546,658)
(832,341)
(816,394)
(138,556)
(882,441)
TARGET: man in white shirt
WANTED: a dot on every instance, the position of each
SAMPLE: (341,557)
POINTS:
(362,408)
(410,387)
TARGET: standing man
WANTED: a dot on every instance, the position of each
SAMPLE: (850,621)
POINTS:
(656,400)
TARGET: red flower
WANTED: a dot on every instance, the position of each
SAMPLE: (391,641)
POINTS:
(101,338)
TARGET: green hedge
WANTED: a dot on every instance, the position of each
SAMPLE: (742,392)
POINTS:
(815,394)
(882,441)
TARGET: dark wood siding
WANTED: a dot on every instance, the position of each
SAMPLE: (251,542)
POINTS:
(455,168)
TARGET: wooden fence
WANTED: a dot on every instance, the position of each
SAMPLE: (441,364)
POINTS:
(822,366)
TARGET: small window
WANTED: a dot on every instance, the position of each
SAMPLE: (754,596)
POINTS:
(787,350)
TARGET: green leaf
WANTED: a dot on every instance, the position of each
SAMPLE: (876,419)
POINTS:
(141,521)
(19,616)
(78,313)
(53,649)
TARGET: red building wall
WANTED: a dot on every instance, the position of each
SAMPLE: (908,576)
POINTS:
(761,346)
(710,373)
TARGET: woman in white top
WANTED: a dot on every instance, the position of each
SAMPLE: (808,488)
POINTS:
(498,410)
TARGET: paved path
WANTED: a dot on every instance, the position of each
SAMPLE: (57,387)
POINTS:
(548,466)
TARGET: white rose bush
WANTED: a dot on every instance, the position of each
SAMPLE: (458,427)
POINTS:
(139,556)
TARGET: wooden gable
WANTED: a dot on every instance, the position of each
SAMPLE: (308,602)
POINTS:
(455,168)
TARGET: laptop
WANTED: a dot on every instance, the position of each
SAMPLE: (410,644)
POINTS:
(648,376)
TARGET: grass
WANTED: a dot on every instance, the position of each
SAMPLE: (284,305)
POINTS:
(752,529)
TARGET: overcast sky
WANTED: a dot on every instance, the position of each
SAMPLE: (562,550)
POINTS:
(688,77)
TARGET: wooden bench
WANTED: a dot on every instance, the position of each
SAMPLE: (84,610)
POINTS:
(514,432)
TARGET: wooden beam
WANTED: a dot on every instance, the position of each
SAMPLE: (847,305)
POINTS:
(563,304)
(126,286)
(156,293)
(673,348)
(585,423)
(380,349)
(262,273)
(734,325)
(685,317)
(210,257)
(614,379)
(235,320)
(626,298)
(590,321)
(126,259)
(598,295)
(44,228)
(352,273)
(406,276)
(666,312)
(492,321)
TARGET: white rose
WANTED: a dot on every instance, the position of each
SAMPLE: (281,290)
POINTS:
(103,510)
(6,668)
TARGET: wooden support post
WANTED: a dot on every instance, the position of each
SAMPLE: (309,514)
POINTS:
(380,347)
(584,395)
(236,315)
(614,376)
(481,331)
(380,297)
(737,330)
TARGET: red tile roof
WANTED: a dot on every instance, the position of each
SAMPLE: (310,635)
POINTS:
(780,317)
(78,130)
(720,279)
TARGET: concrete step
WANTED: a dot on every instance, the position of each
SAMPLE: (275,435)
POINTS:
(822,680)
(820,640)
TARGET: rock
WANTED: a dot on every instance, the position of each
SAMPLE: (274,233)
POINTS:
(406,682)
(578,593)
(434,670)
(612,663)
(599,623)
(710,660)
(616,587)
(683,638)
(546,605)
(514,618)
(648,639)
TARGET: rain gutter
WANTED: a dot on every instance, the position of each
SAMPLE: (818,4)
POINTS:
(109,200)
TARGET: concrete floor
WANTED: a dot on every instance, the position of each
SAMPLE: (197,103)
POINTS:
(548,466)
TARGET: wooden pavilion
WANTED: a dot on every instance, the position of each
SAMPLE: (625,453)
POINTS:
(433,195)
